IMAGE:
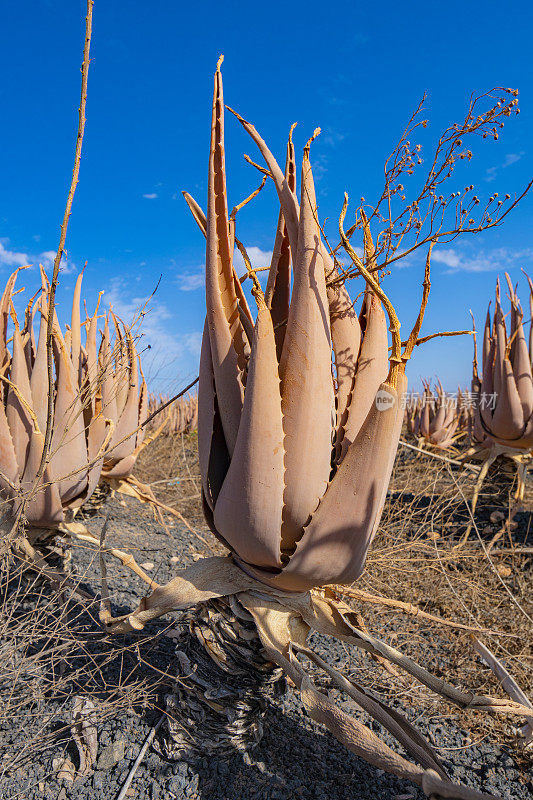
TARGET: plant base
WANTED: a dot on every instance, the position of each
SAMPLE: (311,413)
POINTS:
(223,680)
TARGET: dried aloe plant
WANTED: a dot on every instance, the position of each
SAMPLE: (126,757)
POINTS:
(295,467)
(81,432)
(124,400)
(181,415)
(435,420)
(502,424)
(84,430)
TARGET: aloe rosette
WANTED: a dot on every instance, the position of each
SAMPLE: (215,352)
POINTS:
(80,429)
(507,378)
(502,420)
(436,419)
(298,424)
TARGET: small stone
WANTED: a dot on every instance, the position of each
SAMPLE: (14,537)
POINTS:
(174,559)
(148,565)
(111,755)
(66,771)
(176,785)
(98,780)
(497,516)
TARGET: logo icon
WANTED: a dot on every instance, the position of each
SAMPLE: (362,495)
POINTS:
(384,400)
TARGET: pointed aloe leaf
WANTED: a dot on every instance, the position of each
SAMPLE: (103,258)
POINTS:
(8,459)
(500,337)
(122,367)
(372,368)
(97,429)
(277,292)
(530,282)
(68,449)
(226,334)
(522,368)
(487,338)
(5,302)
(287,197)
(425,421)
(76,326)
(28,334)
(39,373)
(201,220)
(18,419)
(105,369)
(508,419)
(213,452)
(91,379)
(127,422)
(197,212)
(305,369)
(439,414)
(143,409)
(249,506)
(45,508)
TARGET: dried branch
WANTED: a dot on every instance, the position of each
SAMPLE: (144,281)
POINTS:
(433,215)
(59,254)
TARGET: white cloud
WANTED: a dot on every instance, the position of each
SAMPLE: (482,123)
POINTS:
(333,137)
(193,342)
(259,259)
(14,258)
(448,257)
(501,258)
(510,158)
(11,258)
(190,281)
(47,259)
(151,196)
(319,164)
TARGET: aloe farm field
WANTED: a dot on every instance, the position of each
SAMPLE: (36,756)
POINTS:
(265,441)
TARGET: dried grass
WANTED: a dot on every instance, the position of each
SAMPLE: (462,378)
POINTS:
(51,648)
(414,559)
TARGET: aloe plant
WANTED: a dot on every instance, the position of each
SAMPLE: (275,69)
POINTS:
(124,399)
(295,453)
(502,424)
(89,423)
(81,431)
(507,377)
(436,420)
(181,415)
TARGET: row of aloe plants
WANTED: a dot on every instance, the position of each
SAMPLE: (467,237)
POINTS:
(298,425)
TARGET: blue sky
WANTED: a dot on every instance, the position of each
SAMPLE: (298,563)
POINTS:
(357,70)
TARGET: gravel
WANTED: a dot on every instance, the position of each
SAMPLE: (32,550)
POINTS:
(295,760)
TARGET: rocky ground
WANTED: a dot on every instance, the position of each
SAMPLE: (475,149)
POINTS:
(126,678)
(295,759)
